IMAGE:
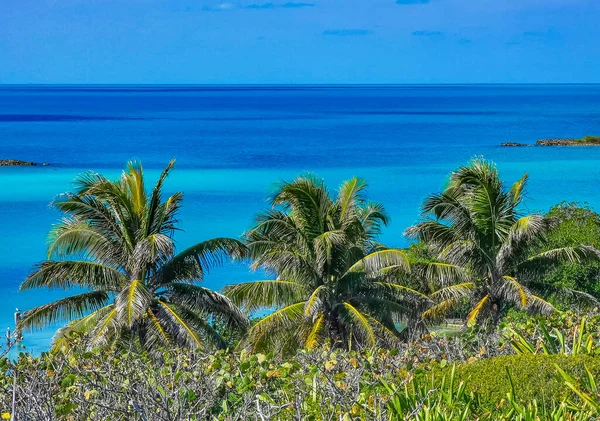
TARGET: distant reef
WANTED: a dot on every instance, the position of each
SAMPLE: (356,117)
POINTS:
(514,144)
(584,141)
(16,163)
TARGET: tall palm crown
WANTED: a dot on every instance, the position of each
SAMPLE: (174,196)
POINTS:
(475,223)
(115,242)
(331,281)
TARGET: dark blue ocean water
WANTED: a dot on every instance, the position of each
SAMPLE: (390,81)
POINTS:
(233,143)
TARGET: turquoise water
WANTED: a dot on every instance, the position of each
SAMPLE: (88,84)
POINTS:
(233,143)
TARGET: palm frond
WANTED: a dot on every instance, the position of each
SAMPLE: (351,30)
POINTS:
(359,323)
(105,330)
(315,334)
(309,201)
(94,213)
(511,290)
(379,260)
(276,325)
(539,305)
(133,180)
(325,243)
(350,197)
(520,238)
(388,334)
(165,221)
(439,273)
(398,291)
(454,292)
(439,311)
(79,238)
(289,264)
(70,273)
(150,252)
(178,326)
(151,223)
(517,190)
(564,254)
(274,228)
(474,314)
(433,233)
(192,263)
(265,294)
(64,309)
(133,302)
(208,301)
(314,302)
(536,267)
(153,332)
(373,218)
(68,335)
(187,327)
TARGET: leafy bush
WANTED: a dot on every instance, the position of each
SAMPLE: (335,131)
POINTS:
(373,384)
(535,377)
(591,139)
(576,224)
(321,384)
(312,386)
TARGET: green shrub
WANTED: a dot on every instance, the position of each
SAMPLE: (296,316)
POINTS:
(591,139)
(534,377)
(576,224)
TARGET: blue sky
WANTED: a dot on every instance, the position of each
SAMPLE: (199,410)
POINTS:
(299,41)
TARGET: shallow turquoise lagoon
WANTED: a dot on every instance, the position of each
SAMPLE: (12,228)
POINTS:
(233,144)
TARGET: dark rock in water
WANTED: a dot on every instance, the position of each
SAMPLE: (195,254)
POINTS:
(559,142)
(16,163)
(584,141)
(514,144)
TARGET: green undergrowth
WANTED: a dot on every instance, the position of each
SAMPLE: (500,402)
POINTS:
(535,377)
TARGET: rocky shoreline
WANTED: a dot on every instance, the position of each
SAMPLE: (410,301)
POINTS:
(514,144)
(565,142)
(16,163)
(586,141)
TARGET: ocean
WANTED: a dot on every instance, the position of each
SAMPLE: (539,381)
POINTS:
(234,143)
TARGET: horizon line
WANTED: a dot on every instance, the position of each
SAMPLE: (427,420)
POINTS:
(299,84)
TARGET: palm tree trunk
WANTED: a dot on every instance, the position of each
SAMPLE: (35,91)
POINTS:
(495,311)
(414,331)
(334,331)
(495,302)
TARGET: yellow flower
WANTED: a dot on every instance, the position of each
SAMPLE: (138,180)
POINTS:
(6,415)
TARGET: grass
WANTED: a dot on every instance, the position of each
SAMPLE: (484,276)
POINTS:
(449,329)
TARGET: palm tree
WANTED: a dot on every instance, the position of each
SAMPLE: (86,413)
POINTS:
(331,273)
(476,224)
(115,242)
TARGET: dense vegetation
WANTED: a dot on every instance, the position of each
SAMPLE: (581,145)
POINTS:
(472,377)
(346,327)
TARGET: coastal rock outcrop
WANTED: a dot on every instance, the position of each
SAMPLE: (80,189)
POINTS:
(584,141)
(16,163)
(558,142)
(514,144)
